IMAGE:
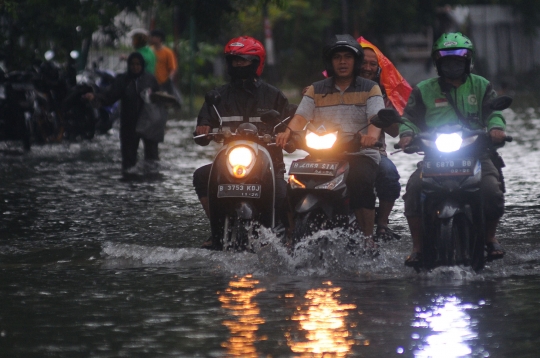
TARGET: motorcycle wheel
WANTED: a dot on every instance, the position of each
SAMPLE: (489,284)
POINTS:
(27,133)
(444,243)
(238,234)
(462,237)
(454,242)
(477,245)
(306,224)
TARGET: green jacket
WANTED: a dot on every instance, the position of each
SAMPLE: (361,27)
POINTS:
(149,59)
(429,108)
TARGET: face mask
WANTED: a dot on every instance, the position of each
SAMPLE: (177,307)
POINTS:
(241,73)
(453,67)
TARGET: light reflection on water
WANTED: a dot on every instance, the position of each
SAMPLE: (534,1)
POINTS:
(448,329)
(323,330)
(239,301)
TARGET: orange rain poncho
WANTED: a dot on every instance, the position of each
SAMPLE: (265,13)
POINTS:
(396,87)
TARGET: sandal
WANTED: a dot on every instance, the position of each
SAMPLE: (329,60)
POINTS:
(384,233)
(371,248)
(495,251)
(413,259)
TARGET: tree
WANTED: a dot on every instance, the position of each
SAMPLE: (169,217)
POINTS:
(30,27)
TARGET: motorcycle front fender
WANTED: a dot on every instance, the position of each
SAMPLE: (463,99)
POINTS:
(448,208)
(311,202)
(244,211)
(306,204)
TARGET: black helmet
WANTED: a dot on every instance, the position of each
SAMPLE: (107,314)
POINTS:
(342,43)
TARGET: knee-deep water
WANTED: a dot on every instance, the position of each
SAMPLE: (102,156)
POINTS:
(94,266)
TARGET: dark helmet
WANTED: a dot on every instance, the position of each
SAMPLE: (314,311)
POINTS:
(342,43)
(453,44)
(249,48)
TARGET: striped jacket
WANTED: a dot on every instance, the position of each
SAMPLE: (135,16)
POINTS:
(351,109)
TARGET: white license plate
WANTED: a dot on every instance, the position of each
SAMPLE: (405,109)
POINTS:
(458,166)
(239,191)
(314,168)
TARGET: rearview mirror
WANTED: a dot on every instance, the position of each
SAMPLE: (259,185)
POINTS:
(386,117)
(212,97)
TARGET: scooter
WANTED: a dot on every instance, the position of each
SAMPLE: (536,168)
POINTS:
(241,187)
(109,114)
(52,86)
(17,105)
(82,119)
(453,220)
(79,118)
(317,190)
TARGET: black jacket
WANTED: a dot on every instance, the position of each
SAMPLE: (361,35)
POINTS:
(128,89)
(244,102)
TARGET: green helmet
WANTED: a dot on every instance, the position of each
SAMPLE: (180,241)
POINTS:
(453,44)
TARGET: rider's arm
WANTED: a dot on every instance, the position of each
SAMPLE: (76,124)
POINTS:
(495,122)
(281,104)
(495,119)
(204,125)
(413,115)
(373,105)
(303,114)
(414,112)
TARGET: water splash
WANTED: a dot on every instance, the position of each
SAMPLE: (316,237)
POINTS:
(333,252)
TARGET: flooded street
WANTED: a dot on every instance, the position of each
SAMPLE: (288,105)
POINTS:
(93,266)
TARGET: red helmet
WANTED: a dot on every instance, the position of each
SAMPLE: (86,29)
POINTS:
(249,48)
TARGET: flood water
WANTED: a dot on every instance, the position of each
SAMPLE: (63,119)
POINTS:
(93,266)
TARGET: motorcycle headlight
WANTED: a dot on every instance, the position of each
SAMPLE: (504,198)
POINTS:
(315,141)
(240,159)
(448,143)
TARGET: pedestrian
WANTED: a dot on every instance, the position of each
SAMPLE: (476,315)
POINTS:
(130,88)
(166,64)
(139,39)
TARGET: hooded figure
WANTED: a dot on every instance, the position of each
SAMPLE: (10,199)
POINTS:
(127,88)
(392,82)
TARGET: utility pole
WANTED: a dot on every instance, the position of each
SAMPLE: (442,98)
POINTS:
(270,66)
(192,48)
(345,15)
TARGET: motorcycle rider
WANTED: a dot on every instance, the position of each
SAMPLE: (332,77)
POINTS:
(396,91)
(244,99)
(351,101)
(446,100)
